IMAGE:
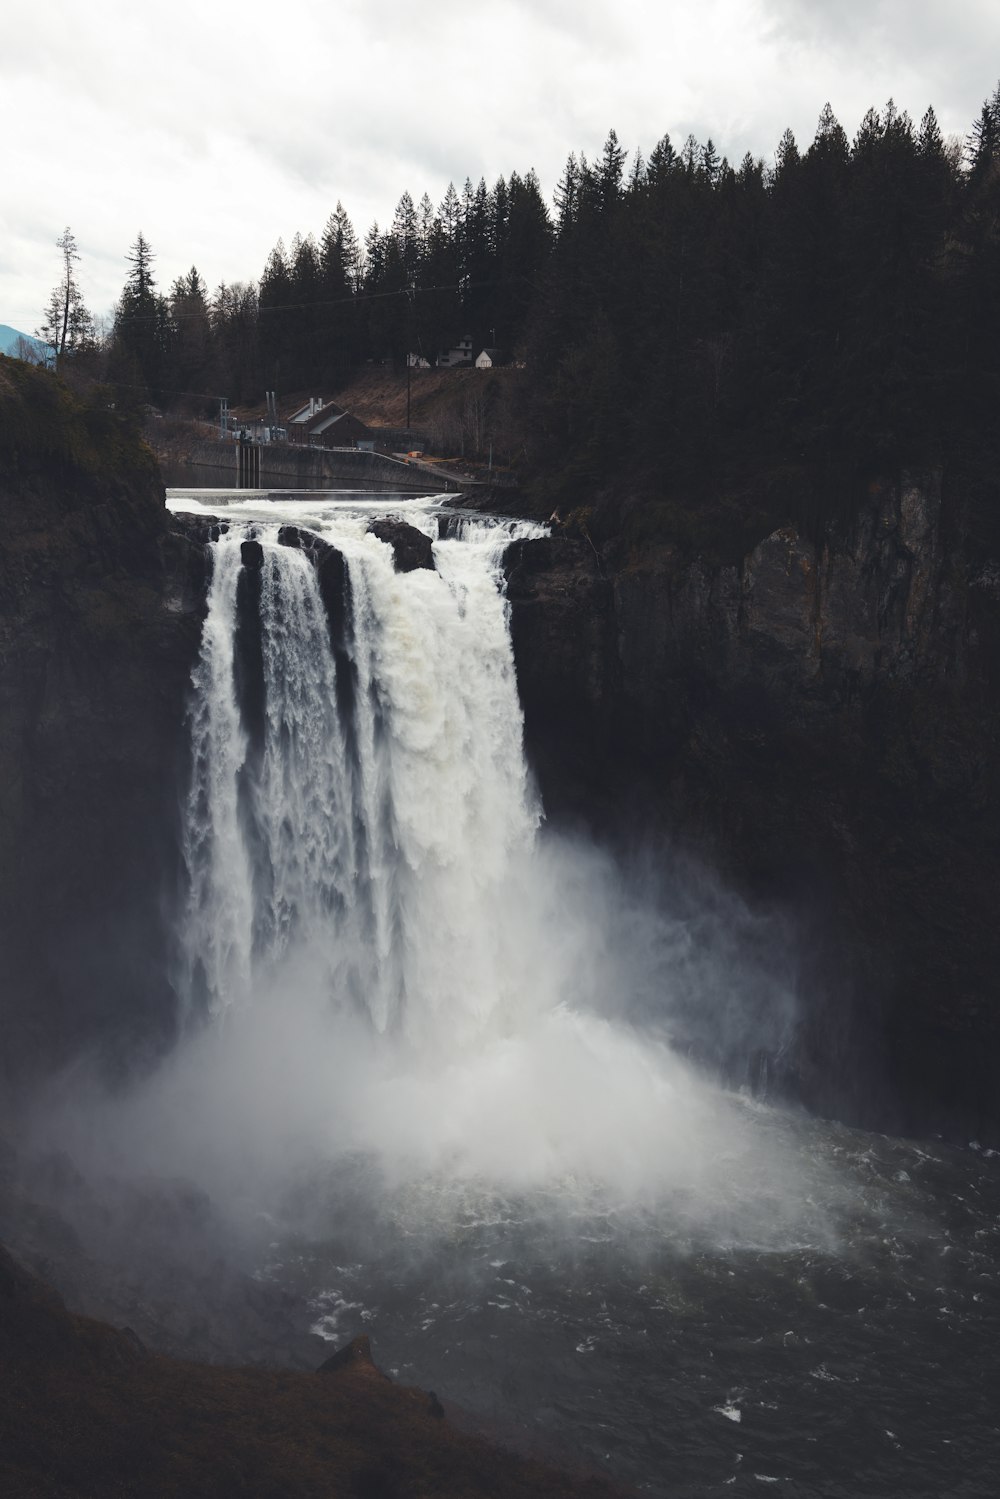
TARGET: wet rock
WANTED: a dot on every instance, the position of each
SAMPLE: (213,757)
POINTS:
(411,548)
(252,555)
(292,536)
(200,528)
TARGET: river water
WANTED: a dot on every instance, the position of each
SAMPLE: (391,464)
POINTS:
(434,1054)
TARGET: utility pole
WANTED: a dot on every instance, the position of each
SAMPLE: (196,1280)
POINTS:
(409,351)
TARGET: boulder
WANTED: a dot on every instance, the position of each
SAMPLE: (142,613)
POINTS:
(252,554)
(411,548)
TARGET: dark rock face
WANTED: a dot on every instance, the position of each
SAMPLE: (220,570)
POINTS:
(825,722)
(100,614)
(412,549)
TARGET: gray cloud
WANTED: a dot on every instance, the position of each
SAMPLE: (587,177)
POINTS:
(214,129)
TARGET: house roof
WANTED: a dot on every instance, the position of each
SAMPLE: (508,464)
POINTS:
(315,406)
(326,418)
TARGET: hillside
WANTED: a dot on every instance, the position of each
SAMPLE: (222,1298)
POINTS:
(10,340)
(87,1410)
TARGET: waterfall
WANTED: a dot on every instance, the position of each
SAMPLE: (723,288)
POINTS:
(395,964)
(371,838)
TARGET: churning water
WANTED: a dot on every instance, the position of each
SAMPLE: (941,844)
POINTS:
(434,1062)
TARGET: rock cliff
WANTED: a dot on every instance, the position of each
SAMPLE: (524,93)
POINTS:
(99,621)
(823,718)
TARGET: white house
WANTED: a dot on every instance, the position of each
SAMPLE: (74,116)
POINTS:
(489,359)
(461,353)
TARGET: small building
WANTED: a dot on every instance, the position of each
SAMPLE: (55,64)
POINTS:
(417,362)
(459,354)
(299,419)
(490,359)
(332,427)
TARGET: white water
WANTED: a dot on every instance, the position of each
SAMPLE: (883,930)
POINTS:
(380,861)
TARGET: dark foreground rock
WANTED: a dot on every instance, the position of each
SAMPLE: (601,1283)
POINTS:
(824,720)
(86,1409)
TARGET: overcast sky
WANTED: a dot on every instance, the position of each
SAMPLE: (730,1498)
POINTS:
(216,128)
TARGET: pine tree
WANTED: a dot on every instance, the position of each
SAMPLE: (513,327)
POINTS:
(68,326)
(709,165)
(191,364)
(338,316)
(141,331)
(610,170)
(275,295)
(450,212)
(567,194)
(302,321)
(662,160)
(406,234)
(982,147)
(234,314)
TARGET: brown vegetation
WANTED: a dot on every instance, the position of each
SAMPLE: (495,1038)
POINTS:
(88,1411)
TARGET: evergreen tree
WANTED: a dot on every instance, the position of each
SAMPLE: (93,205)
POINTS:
(234,316)
(68,327)
(274,298)
(141,331)
(406,234)
(610,170)
(303,321)
(191,366)
(567,194)
(338,314)
(662,160)
(982,147)
(450,212)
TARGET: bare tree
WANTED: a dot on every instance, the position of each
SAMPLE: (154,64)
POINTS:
(29,351)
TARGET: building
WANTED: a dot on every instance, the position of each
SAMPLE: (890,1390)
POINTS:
(459,354)
(300,419)
(328,426)
(490,359)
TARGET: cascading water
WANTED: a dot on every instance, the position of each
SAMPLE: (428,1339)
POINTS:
(378,845)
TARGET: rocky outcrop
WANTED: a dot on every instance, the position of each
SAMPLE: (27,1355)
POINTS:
(824,719)
(100,609)
(86,1409)
(411,548)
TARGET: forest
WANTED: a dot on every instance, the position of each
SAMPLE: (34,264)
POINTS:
(706,330)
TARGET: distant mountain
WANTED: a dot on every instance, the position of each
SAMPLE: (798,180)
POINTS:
(9,342)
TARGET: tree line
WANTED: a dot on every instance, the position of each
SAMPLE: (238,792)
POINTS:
(839,309)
